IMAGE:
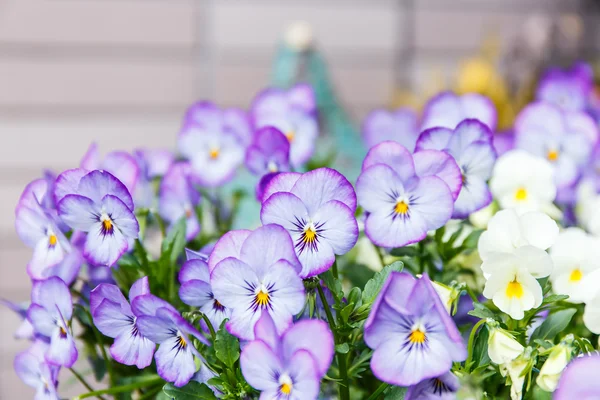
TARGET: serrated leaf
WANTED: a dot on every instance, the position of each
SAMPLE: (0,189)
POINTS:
(192,391)
(342,348)
(481,311)
(354,297)
(396,393)
(227,347)
(334,285)
(375,284)
(553,324)
(554,298)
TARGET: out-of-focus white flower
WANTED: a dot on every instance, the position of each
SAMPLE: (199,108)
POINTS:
(575,255)
(553,367)
(514,256)
(480,218)
(524,182)
(502,346)
(516,371)
(448,295)
(591,314)
(588,207)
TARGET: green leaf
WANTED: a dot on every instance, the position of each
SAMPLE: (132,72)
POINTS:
(342,348)
(375,284)
(481,311)
(354,297)
(480,347)
(192,391)
(334,285)
(396,393)
(227,347)
(405,252)
(174,243)
(471,241)
(554,324)
(554,298)
(346,311)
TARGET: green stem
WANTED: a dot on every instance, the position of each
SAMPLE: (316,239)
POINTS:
(380,254)
(121,389)
(345,386)
(161,223)
(470,345)
(109,368)
(211,329)
(151,393)
(334,270)
(379,391)
(83,381)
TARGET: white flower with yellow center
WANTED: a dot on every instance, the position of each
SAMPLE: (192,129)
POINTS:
(575,256)
(525,183)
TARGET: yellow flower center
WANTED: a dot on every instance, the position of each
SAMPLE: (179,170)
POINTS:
(552,155)
(417,336)
(52,239)
(310,234)
(262,298)
(181,342)
(290,136)
(514,289)
(576,275)
(286,388)
(521,194)
(107,224)
(401,207)
(214,153)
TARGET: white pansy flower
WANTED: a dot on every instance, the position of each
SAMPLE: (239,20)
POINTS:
(588,207)
(575,255)
(591,313)
(553,367)
(524,182)
(480,218)
(502,346)
(516,371)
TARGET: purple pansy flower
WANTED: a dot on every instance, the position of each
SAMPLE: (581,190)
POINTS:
(231,119)
(293,112)
(119,163)
(25,330)
(35,372)
(161,323)
(567,89)
(215,149)
(289,366)
(113,317)
(471,146)
(269,153)
(402,206)
(447,110)
(99,204)
(178,198)
(253,273)
(504,142)
(153,163)
(580,380)
(411,333)
(565,138)
(318,212)
(398,125)
(196,291)
(443,387)
(50,314)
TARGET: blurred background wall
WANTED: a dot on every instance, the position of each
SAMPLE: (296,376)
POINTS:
(121,72)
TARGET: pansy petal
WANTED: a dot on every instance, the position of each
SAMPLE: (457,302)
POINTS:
(321,185)
(473,196)
(62,350)
(194,269)
(110,320)
(302,368)
(139,288)
(481,108)
(266,331)
(385,231)
(259,363)
(229,245)
(148,304)
(104,249)
(156,329)
(302,96)
(122,216)
(432,200)
(539,229)
(315,337)
(133,349)
(288,289)
(91,159)
(174,365)
(123,166)
(110,292)
(338,226)
(41,319)
(283,182)
(284,209)
(195,293)
(394,155)
(54,295)
(275,244)
(78,212)
(434,139)
(443,110)
(375,188)
(229,281)
(440,164)
(97,184)
(68,183)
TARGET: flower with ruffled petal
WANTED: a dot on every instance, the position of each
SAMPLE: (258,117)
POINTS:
(99,204)
(318,213)
(35,372)
(470,143)
(564,138)
(443,387)
(178,198)
(158,321)
(269,152)
(402,206)
(50,314)
(580,380)
(256,272)
(196,291)
(447,110)
(119,163)
(292,112)
(290,365)
(214,148)
(411,333)
(383,125)
(568,89)
(113,317)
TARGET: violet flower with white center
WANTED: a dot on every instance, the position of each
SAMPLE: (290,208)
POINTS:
(567,89)
(178,198)
(119,163)
(411,333)
(215,149)
(565,138)
(402,206)
(291,365)
(25,329)
(196,291)
(280,182)
(113,317)
(292,112)
(447,110)
(99,204)
(580,379)
(269,152)
(443,387)
(161,323)
(232,119)
(50,314)
(318,213)
(35,372)
(253,273)
(398,125)
(471,146)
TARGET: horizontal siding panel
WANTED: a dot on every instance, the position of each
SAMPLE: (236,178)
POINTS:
(130,23)
(353,26)
(14,281)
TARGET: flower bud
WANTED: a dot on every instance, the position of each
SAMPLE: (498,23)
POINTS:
(502,346)
(551,370)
